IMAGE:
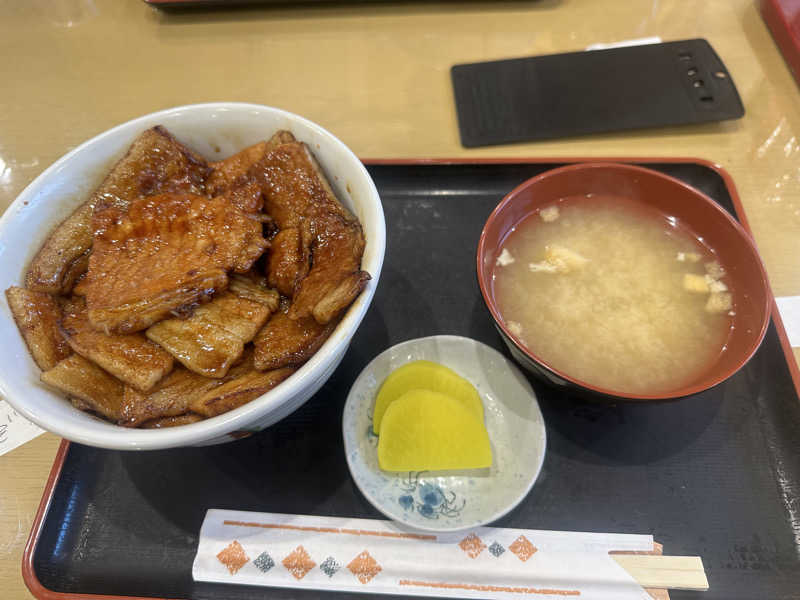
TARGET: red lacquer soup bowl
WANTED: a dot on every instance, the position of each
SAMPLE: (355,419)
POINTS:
(681,204)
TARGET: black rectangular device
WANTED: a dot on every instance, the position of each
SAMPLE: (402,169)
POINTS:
(576,93)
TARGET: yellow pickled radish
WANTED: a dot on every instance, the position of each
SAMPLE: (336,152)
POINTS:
(424,374)
(425,430)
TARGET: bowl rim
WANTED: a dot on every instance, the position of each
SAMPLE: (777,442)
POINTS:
(350,451)
(241,418)
(683,391)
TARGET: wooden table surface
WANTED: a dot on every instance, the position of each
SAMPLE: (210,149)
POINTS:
(377,76)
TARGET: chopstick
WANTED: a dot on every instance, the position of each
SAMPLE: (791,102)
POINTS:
(671,572)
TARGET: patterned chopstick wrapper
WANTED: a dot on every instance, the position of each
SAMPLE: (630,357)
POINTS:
(374,556)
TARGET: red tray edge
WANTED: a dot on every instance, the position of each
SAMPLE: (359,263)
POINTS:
(780,27)
(28,573)
(42,593)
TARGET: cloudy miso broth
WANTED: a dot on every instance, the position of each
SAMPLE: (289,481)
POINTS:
(614,294)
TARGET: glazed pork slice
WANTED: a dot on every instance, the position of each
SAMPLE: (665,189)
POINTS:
(37,315)
(284,341)
(335,278)
(168,253)
(289,258)
(132,358)
(64,252)
(232,170)
(239,391)
(89,384)
(156,162)
(76,270)
(213,338)
(169,398)
(79,289)
(296,192)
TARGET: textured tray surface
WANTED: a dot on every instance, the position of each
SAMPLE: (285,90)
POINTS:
(715,475)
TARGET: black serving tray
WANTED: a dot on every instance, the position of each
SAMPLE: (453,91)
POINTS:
(715,475)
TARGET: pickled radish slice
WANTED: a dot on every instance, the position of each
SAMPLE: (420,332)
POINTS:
(423,430)
(424,374)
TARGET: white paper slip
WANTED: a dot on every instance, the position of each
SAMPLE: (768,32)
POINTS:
(789,308)
(382,557)
(15,429)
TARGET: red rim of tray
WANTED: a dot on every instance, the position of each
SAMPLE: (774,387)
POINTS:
(781,16)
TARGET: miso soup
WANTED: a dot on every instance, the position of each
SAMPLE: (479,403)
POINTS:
(614,294)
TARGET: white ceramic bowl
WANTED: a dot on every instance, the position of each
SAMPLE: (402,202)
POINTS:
(448,501)
(215,131)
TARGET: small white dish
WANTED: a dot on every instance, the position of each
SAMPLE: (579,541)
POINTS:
(448,501)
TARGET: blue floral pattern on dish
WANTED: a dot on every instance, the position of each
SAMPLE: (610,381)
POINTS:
(406,501)
(371,437)
(430,502)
